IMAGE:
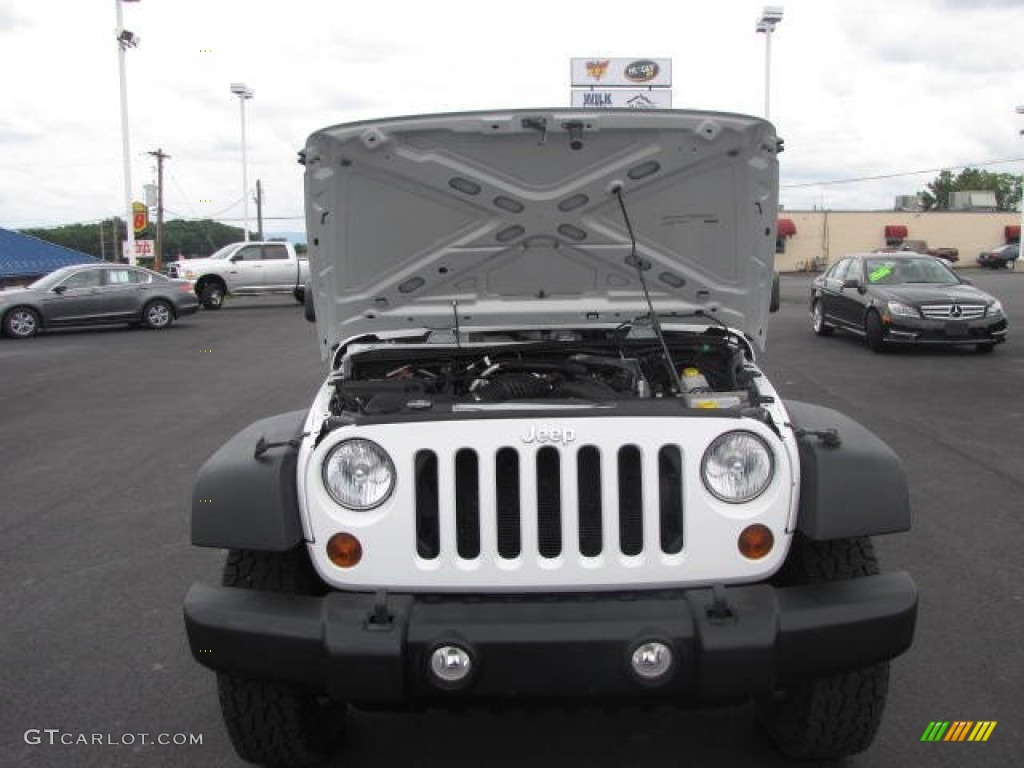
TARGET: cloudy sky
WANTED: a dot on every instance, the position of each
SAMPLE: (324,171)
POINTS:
(860,88)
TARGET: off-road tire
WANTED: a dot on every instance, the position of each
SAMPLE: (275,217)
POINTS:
(818,324)
(269,723)
(834,716)
(873,332)
(211,295)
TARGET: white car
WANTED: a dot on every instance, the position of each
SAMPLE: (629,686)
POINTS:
(251,268)
(544,463)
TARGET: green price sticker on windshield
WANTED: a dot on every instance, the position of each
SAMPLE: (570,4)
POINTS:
(879,273)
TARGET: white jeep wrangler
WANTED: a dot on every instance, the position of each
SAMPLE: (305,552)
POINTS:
(544,465)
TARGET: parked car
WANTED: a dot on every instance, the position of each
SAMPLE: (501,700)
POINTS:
(900,298)
(92,294)
(1000,256)
(245,269)
(921,246)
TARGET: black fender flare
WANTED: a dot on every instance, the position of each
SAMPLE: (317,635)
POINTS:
(856,488)
(241,500)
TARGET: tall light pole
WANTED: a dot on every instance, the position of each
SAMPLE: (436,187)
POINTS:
(1020,237)
(244,93)
(125,40)
(771,15)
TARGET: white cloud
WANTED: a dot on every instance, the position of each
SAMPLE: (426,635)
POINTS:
(861,89)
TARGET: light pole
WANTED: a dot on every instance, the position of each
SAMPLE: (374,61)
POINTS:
(243,92)
(771,15)
(1020,237)
(125,40)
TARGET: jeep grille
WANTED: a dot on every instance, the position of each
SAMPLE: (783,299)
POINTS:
(540,473)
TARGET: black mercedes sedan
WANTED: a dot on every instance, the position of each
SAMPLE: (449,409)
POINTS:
(897,298)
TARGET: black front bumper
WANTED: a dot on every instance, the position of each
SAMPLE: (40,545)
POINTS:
(551,648)
(903,330)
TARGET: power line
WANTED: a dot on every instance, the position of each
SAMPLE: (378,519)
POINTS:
(900,174)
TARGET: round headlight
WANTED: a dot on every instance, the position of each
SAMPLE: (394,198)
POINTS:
(359,474)
(737,467)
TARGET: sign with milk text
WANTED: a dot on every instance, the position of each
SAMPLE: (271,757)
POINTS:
(599,72)
(621,98)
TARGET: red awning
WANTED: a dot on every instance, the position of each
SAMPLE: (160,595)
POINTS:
(895,231)
(1012,233)
(785,228)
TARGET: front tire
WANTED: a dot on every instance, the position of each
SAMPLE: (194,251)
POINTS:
(874,333)
(158,314)
(818,324)
(211,296)
(21,323)
(838,715)
(270,723)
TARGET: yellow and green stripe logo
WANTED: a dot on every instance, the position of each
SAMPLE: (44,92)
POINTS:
(958,730)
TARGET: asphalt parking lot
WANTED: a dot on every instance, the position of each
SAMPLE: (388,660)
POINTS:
(103,431)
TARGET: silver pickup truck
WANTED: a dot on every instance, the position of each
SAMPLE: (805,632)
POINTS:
(247,268)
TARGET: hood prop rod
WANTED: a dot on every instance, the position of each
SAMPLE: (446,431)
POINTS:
(636,262)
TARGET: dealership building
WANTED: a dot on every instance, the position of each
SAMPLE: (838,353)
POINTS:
(809,241)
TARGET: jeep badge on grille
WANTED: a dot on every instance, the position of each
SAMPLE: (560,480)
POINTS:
(563,435)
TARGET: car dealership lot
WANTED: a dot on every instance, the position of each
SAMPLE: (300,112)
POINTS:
(104,431)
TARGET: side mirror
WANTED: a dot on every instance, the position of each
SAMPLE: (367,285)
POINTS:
(851,282)
(59,290)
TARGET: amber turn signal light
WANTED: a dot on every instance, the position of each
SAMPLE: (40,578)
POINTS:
(756,541)
(344,550)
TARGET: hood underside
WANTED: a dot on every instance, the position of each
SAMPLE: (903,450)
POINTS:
(520,218)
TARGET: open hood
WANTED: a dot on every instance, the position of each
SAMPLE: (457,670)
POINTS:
(513,219)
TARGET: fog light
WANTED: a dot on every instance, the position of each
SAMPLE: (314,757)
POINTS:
(651,661)
(756,541)
(344,550)
(450,665)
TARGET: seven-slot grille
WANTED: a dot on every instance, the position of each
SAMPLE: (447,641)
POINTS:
(953,311)
(530,509)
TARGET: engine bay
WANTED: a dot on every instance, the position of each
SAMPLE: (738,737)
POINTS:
(550,368)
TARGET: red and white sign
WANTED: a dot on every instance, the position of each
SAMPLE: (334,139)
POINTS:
(144,249)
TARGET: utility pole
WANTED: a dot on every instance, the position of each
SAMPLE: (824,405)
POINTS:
(259,211)
(158,256)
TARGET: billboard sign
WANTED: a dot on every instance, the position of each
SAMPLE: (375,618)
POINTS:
(622,98)
(144,249)
(601,72)
(140,216)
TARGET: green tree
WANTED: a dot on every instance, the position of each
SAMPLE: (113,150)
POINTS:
(1006,186)
(181,238)
(96,239)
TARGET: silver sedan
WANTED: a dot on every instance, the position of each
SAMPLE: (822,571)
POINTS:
(92,294)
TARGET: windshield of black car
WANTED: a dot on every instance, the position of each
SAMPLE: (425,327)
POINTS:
(883,271)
